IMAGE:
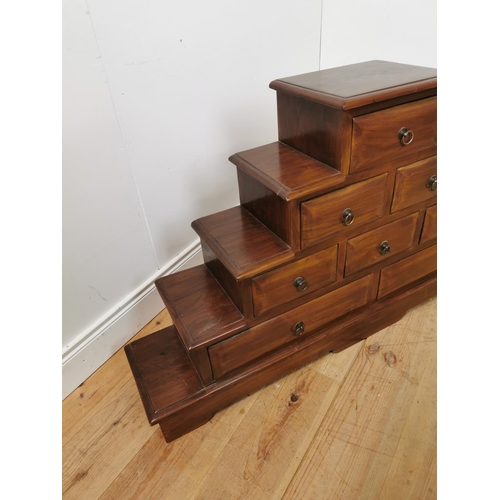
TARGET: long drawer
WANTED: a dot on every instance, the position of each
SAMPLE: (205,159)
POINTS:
(393,133)
(407,271)
(352,206)
(379,244)
(290,326)
(294,280)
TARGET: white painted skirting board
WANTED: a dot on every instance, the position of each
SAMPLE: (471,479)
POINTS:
(93,347)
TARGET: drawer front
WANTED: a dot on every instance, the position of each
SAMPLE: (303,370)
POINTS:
(294,280)
(366,250)
(281,330)
(376,137)
(415,183)
(327,215)
(429,232)
(407,271)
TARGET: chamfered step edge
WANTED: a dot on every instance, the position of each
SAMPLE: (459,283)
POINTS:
(200,309)
(227,234)
(286,172)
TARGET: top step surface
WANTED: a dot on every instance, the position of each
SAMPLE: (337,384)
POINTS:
(242,243)
(287,172)
(356,85)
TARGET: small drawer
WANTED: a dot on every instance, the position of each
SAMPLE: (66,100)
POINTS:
(300,322)
(429,231)
(407,271)
(352,206)
(393,133)
(294,280)
(379,244)
(415,183)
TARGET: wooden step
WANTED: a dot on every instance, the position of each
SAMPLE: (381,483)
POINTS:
(286,172)
(200,309)
(174,397)
(162,370)
(244,245)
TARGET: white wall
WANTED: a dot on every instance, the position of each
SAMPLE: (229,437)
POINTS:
(360,30)
(157,95)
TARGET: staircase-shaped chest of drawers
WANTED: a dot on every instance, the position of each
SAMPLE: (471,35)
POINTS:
(335,239)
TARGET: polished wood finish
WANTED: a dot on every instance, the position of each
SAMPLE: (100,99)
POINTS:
(238,291)
(286,172)
(315,130)
(364,251)
(319,123)
(412,184)
(359,84)
(407,271)
(278,287)
(242,243)
(315,258)
(162,370)
(375,135)
(274,212)
(429,231)
(200,309)
(322,217)
(263,339)
(198,409)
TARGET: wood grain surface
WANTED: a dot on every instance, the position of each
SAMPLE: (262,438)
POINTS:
(375,136)
(407,270)
(412,184)
(357,424)
(429,231)
(364,250)
(276,332)
(278,287)
(285,171)
(321,217)
(355,85)
(243,244)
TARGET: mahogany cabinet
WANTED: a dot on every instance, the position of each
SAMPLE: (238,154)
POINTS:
(334,239)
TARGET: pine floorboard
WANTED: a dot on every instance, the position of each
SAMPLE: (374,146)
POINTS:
(363,427)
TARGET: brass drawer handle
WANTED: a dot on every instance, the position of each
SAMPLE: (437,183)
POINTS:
(298,329)
(347,217)
(300,284)
(384,248)
(405,136)
(432,183)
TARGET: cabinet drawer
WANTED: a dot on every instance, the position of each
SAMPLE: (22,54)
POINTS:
(366,250)
(324,216)
(407,270)
(290,326)
(376,137)
(415,183)
(429,231)
(294,280)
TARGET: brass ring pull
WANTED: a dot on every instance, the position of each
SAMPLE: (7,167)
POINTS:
(432,183)
(300,284)
(347,217)
(405,136)
(384,248)
(298,329)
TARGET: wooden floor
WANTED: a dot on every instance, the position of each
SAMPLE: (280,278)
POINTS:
(363,427)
